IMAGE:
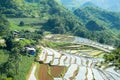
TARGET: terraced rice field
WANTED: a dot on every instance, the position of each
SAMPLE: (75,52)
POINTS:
(56,71)
(78,67)
(78,40)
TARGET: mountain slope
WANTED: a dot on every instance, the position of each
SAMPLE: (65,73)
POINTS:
(111,5)
(59,20)
(108,19)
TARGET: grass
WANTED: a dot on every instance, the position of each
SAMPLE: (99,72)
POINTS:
(96,53)
(16,27)
(3,57)
(116,31)
(49,72)
(30,23)
(25,20)
(100,55)
(25,65)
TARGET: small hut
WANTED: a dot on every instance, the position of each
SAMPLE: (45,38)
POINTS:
(31,50)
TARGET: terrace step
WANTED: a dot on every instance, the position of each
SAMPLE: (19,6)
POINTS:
(97,75)
(78,60)
(73,60)
(55,62)
(72,70)
(81,73)
(50,53)
(105,76)
(115,76)
(55,53)
(68,60)
(49,59)
(90,74)
(43,56)
(62,60)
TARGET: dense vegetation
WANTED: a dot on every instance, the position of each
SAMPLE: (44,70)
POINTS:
(104,22)
(13,55)
(4,25)
(105,18)
(113,58)
(57,19)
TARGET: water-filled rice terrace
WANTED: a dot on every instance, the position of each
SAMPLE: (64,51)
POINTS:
(81,60)
(66,65)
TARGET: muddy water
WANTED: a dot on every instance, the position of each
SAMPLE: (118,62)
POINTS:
(56,71)
(43,73)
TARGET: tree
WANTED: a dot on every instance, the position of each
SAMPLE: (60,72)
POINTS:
(80,32)
(7,3)
(4,25)
(93,26)
(59,29)
(9,40)
(21,23)
(114,58)
(102,40)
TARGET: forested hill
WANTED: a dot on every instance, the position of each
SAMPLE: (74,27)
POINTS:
(105,18)
(59,20)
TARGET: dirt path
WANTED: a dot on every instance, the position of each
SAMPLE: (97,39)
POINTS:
(32,74)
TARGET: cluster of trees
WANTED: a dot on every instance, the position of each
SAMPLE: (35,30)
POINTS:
(100,21)
(104,18)
(35,36)
(61,24)
(11,68)
(16,49)
(60,20)
(93,26)
(4,25)
(24,8)
(18,8)
(113,58)
(71,25)
(10,7)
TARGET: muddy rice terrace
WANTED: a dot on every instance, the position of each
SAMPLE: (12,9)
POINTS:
(82,60)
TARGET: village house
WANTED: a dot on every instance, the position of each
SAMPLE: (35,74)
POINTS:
(31,50)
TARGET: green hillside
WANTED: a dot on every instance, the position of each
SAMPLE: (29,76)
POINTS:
(55,18)
(108,19)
